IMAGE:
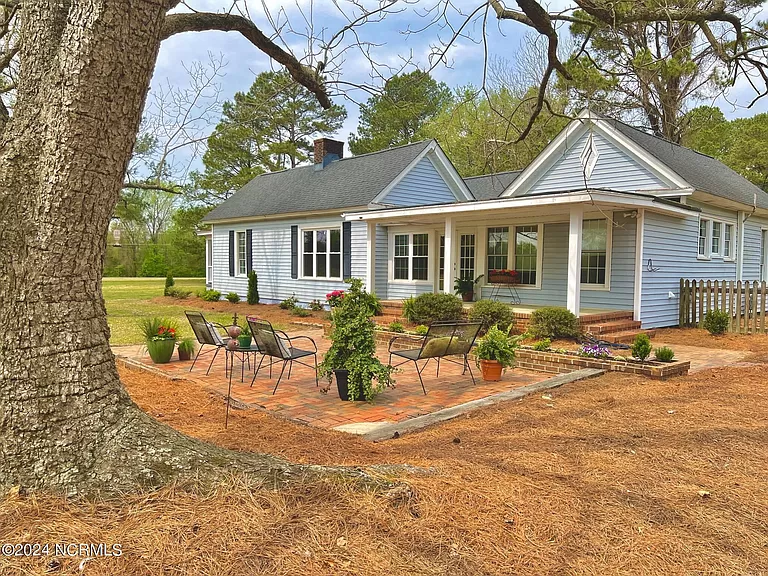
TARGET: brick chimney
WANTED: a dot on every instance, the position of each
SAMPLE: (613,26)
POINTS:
(326,151)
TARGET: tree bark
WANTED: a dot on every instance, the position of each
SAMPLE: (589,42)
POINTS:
(66,422)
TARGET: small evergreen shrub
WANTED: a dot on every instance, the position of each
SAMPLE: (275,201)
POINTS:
(492,313)
(179,293)
(396,327)
(542,345)
(665,354)
(316,306)
(169,282)
(300,312)
(289,303)
(717,322)
(233,297)
(210,295)
(553,322)
(641,347)
(421,329)
(429,307)
(253,288)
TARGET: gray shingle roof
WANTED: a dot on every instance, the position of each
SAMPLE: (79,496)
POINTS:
(699,170)
(490,186)
(353,181)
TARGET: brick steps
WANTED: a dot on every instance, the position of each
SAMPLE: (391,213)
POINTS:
(613,326)
(626,336)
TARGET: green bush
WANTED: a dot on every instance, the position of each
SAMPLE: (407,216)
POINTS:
(210,295)
(169,282)
(641,347)
(553,322)
(316,306)
(429,307)
(289,303)
(253,287)
(542,345)
(396,327)
(497,345)
(300,312)
(233,297)
(179,293)
(717,322)
(492,313)
(665,354)
(421,329)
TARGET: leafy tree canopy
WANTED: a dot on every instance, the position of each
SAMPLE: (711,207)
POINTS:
(398,115)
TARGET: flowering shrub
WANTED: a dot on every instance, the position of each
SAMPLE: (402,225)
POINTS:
(594,351)
(334,298)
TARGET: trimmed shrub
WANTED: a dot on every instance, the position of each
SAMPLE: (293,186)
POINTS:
(542,345)
(553,322)
(289,303)
(233,297)
(396,327)
(169,282)
(641,348)
(253,288)
(316,306)
(210,295)
(492,313)
(429,307)
(717,322)
(665,354)
(421,329)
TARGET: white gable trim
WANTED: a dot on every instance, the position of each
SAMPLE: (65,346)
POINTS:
(544,161)
(440,161)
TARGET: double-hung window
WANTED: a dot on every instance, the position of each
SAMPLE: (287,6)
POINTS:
(716,239)
(594,252)
(703,237)
(322,253)
(728,241)
(411,257)
(524,257)
(498,248)
(242,264)
(717,232)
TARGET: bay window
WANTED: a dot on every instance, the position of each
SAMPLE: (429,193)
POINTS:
(594,252)
(411,257)
(321,253)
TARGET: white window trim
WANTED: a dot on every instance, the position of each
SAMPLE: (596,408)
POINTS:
(608,253)
(719,253)
(239,274)
(732,256)
(539,253)
(328,229)
(709,255)
(430,256)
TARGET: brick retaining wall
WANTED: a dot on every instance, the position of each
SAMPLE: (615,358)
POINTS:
(554,363)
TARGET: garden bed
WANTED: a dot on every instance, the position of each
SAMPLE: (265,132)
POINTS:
(566,362)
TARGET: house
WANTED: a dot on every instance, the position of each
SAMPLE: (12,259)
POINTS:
(606,219)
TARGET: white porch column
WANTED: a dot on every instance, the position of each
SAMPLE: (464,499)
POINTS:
(370,252)
(450,241)
(740,246)
(574,260)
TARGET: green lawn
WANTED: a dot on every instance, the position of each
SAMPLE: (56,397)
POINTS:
(130,299)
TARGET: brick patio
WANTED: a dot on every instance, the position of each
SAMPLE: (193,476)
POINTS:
(300,400)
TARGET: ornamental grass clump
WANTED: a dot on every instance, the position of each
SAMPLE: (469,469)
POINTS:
(353,345)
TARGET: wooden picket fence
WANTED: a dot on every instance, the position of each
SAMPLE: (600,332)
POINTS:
(744,301)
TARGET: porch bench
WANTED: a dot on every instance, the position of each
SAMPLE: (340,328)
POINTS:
(442,340)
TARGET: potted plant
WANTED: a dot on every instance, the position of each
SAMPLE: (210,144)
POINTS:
(160,338)
(465,287)
(495,351)
(502,276)
(186,348)
(244,339)
(351,358)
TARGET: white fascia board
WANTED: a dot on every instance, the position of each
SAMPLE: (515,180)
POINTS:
(283,216)
(520,202)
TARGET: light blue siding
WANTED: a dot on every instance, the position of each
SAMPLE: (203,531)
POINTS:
(622,293)
(615,170)
(272,260)
(753,230)
(670,252)
(422,185)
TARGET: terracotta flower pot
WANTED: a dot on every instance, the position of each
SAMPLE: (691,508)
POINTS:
(184,355)
(468,296)
(491,370)
(161,350)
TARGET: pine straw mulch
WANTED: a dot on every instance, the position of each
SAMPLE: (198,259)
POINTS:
(618,475)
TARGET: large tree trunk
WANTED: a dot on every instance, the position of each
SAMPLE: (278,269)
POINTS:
(66,422)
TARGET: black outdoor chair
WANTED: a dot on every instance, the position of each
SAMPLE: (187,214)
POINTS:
(442,340)
(207,334)
(279,347)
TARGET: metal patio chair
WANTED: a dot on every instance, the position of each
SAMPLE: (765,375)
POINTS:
(442,340)
(280,348)
(207,334)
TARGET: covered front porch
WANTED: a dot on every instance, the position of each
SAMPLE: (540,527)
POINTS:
(580,250)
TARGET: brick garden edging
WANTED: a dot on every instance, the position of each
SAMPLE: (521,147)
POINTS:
(564,363)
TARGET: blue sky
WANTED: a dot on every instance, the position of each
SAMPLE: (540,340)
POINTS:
(466,59)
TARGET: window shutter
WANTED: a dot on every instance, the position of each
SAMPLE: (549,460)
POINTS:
(248,250)
(294,252)
(231,252)
(346,249)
